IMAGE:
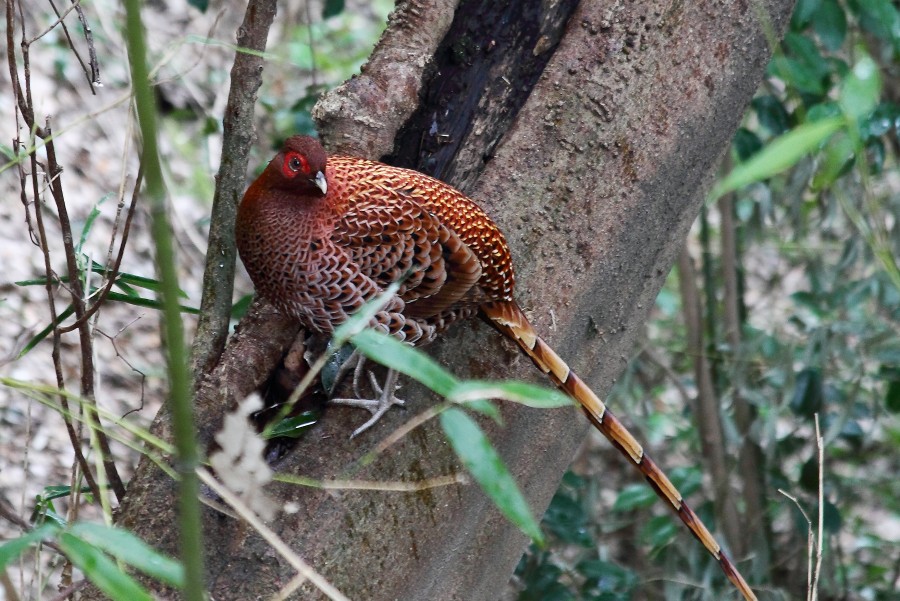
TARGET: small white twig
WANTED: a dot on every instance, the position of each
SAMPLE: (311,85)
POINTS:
(820,449)
(270,537)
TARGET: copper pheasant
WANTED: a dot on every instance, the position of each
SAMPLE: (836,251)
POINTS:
(321,235)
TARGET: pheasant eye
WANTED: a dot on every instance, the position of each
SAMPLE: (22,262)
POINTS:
(293,164)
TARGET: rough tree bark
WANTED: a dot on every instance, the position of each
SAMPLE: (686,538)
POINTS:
(593,156)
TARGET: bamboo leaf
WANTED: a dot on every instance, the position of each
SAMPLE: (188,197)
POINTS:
(130,549)
(782,153)
(481,459)
(394,354)
(101,570)
(146,302)
(46,331)
(517,392)
(12,549)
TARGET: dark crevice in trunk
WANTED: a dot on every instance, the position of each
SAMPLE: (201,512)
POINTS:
(484,71)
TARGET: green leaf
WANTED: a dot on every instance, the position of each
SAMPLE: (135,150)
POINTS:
(771,114)
(294,426)
(124,279)
(475,451)
(46,331)
(239,309)
(150,303)
(660,530)
(608,578)
(45,513)
(880,17)
(853,433)
(796,74)
(804,50)
(89,223)
(892,396)
(485,407)
(130,549)
(101,570)
(746,144)
(34,282)
(567,520)
(11,549)
(686,479)
(332,8)
(861,89)
(56,492)
(782,153)
(831,518)
(807,399)
(394,354)
(201,5)
(882,119)
(803,12)
(830,24)
(823,110)
(517,392)
(634,496)
(837,159)
(809,301)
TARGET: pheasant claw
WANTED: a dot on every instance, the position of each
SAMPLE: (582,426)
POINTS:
(377,406)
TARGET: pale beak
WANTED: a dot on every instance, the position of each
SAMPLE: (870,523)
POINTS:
(320,182)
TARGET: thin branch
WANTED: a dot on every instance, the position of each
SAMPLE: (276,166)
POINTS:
(53,172)
(92,75)
(387,486)
(52,26)
(750,456)
(78,302)
(706,406)
(820,453)
(70,590)
(8,513)
(271,537)
(221,255)
(56,353)
(111,273)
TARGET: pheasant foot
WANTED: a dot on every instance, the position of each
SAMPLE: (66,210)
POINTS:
(377,406)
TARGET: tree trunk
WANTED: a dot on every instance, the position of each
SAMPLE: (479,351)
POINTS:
(593,156)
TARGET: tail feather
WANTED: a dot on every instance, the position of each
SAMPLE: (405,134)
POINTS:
(511,321)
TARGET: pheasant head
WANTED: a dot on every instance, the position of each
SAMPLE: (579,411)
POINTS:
(286,216)
(299,168)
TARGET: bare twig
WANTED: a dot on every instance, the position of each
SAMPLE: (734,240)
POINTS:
(218,275)
(820,452)
(92,75)
(56,353)
(392,486)
(111,273)
(810,543)
(750,456)
(706,406)
(112,341)
(52,26)
(271,537)
(70,590)
(9,514)
(7,586)
(53,172)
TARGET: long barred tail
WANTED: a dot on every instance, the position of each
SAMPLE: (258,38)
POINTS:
(511,321)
